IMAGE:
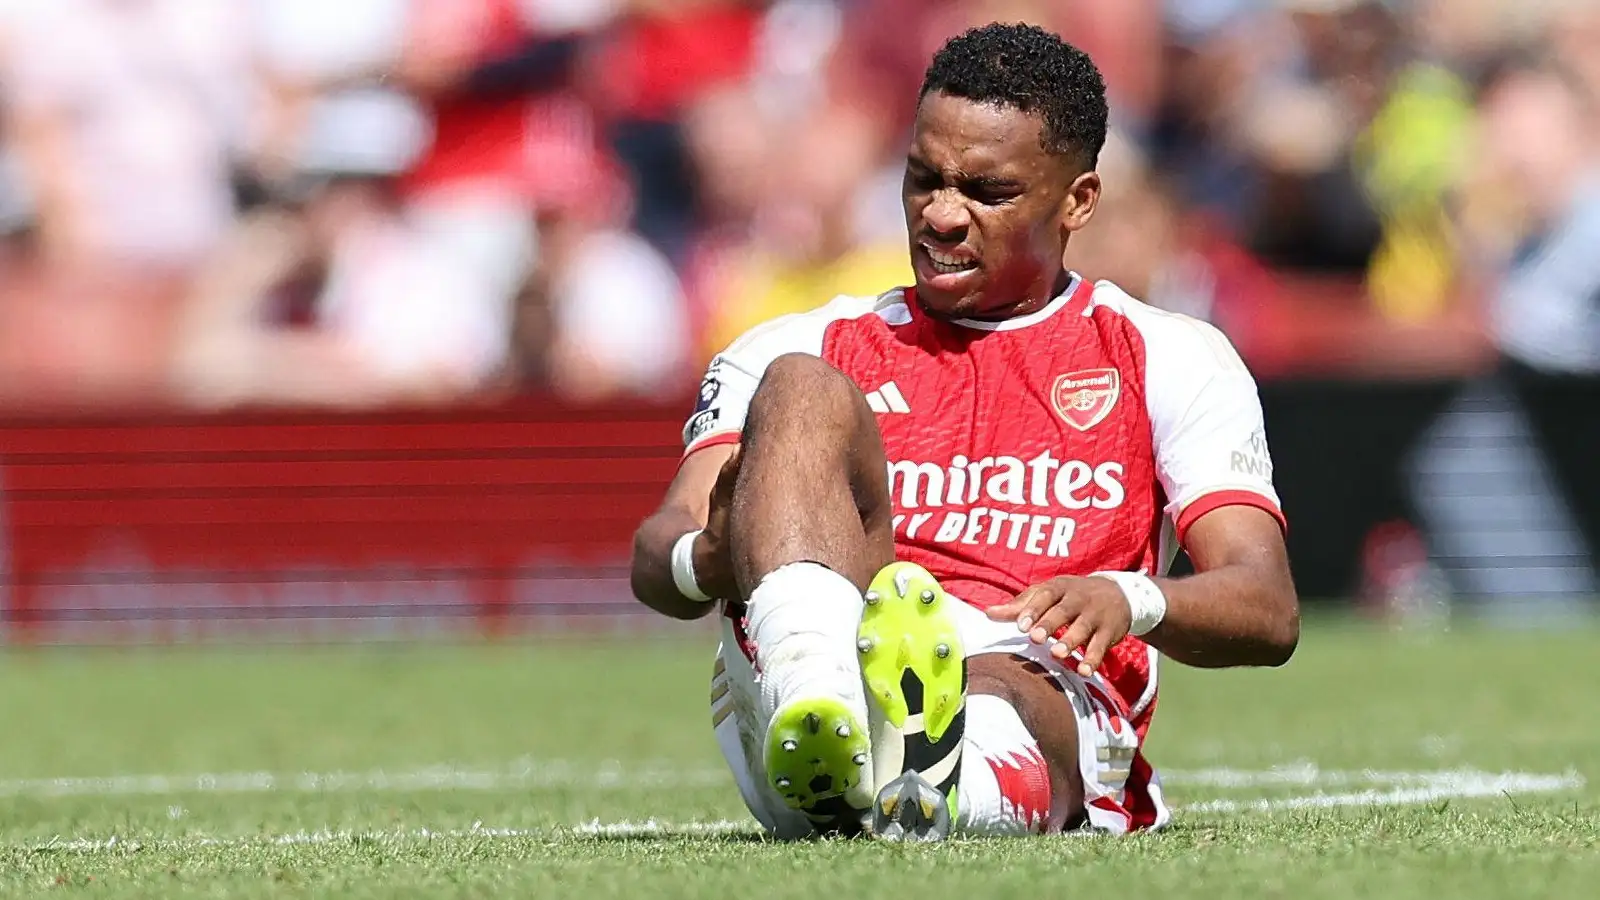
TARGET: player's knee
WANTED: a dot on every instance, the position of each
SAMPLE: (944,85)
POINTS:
(1011,678)
(806,390)
(982,682)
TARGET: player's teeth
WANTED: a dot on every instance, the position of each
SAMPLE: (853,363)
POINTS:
(842,731)
(859,759)
(942,651)
(864,645)
(783,784)
(872,598)
(791,745)
(947,263)
(927,597)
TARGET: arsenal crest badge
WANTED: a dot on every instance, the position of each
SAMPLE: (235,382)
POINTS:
(1085,398)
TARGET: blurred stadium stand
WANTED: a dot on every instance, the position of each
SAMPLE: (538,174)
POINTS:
(319,526)
(376,317)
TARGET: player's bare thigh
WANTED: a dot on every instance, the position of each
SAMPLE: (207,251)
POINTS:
(813,481)
(1047,712)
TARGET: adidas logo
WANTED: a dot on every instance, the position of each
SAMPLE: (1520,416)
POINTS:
(887,399)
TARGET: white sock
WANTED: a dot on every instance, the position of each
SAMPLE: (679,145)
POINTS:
(1005,782)
(802,619)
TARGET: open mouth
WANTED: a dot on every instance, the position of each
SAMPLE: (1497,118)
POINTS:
(949,263)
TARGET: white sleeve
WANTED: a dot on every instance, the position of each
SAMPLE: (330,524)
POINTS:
(734,374)
(725,392)
(1210,438)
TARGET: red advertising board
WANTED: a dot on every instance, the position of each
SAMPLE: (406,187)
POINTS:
(307,526)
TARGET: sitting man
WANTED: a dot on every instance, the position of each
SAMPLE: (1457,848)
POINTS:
(936,521)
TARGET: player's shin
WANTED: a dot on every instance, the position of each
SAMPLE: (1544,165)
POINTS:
(1005,780)
(802,620)
(914,666)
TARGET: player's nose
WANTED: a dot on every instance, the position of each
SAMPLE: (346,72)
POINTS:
(946,217)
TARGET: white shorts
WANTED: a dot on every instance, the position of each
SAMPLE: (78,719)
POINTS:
(1121,792)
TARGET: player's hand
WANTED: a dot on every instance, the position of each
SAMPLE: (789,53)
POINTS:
(713,561)
(1069,613)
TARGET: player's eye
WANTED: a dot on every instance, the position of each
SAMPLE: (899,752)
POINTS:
(992,195)
(923,179)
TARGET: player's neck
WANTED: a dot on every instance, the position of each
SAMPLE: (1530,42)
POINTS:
(1035,301)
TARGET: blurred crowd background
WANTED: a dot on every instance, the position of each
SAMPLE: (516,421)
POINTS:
(347,204)
(223,202)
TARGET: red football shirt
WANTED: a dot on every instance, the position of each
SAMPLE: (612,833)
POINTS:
(1087,436)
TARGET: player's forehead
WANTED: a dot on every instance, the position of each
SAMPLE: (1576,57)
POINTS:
(977,138)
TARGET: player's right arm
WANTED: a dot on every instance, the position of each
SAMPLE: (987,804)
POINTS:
(697,499)
(701,492)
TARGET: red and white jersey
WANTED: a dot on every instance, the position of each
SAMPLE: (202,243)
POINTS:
(1084,437)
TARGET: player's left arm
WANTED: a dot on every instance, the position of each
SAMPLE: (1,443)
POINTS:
(1240,606)
(1238,609)
(1212,459)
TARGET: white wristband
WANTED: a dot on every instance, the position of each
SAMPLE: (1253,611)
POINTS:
(683,568)
(1146,603)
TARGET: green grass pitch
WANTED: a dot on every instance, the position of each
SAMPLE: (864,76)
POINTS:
(1458,765)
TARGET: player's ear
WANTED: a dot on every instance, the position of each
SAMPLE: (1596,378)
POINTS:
(1081,199)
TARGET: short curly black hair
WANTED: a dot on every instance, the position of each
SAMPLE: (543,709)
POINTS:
(1035,71)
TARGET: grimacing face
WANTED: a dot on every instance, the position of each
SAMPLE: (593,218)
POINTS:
(988,209)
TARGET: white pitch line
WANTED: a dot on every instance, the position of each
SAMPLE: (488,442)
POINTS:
(564,774)
(1448,786)
(648,827)
(1458,787)
(550,774)
(81,845)
(1420,787)
(595,828)
(1305,774)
